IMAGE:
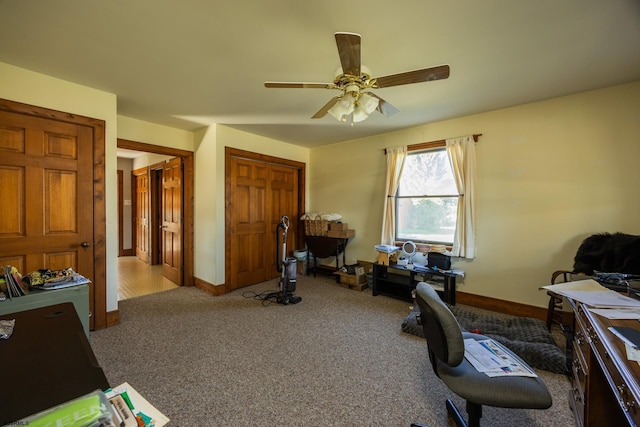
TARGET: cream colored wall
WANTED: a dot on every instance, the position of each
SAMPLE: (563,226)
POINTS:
(20,85)
(549,174)
(126,166)
(209,208)
(151,133)
(148,159)
(210,190)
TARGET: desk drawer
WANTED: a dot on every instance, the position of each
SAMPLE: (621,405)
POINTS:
(627,401)
(579,369)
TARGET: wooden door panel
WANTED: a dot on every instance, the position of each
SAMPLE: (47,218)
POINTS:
(60,202)
(284,196)
(46,171)
(142,214)
(12,221)
(172,220)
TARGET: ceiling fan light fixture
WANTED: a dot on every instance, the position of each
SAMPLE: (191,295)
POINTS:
(343,108)
(359,114)
(365,104)
(368,102)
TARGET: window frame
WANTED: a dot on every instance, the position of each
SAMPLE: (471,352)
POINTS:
(416,150)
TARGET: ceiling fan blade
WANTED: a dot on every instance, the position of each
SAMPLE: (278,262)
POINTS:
(384,107)
(434,73)
(349,51)
(299,85)
(326,107)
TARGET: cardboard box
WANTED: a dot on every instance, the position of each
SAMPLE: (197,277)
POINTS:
(338,226)
(342,234)
(353,281)
(367,266)
(357,281)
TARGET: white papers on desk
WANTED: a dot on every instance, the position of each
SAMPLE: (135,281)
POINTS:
(578,285)
(603,299)
(592,293)
(489,357)
(632,353)
(615,313)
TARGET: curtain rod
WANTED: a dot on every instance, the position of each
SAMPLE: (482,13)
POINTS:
(422,145)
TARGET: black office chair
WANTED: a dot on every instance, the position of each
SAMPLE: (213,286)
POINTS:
(445,342)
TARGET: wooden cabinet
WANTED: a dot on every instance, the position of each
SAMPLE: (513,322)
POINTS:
(605,384)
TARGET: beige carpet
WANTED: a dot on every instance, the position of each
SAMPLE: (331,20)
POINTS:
(338,358)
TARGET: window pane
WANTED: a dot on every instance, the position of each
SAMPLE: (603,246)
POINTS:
(431,219)
(427,174)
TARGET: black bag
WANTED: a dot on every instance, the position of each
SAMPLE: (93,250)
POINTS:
(349,269)
(438,260)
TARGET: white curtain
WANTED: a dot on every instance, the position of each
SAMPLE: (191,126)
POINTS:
(395,163)
(462,155)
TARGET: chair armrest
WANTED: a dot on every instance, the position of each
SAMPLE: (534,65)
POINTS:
(565,275)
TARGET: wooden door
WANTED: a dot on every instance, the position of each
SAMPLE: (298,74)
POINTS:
(172,220)
(142,214)
(259,190)
(283,187)
(251,252)
(47,208)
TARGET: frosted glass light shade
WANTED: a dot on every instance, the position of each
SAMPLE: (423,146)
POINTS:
(342,108)
(366,105)
(368,102)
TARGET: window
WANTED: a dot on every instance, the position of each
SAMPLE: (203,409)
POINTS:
(427,198)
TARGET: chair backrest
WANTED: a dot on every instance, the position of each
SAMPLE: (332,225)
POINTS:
(440,327)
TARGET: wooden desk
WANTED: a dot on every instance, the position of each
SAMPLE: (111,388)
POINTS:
(46,361)
(606,385)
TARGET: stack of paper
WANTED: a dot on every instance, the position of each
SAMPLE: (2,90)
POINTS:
(593,294)
(13,281)
(126,400)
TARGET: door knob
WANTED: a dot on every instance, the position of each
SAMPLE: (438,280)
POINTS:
(84,244)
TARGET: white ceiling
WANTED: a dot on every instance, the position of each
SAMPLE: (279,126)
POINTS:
(190,63)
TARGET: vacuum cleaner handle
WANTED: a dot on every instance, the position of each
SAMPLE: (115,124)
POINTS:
(284,225)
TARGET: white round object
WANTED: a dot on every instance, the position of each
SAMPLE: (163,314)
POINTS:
(409,248)
(300,254)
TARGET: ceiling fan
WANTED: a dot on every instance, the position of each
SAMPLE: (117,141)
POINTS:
(354,79)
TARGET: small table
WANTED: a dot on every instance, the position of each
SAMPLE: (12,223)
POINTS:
(399,284)
(325,247)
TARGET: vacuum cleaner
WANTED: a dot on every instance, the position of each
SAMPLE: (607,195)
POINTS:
(286,265)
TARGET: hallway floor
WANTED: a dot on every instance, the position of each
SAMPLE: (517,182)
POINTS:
(136,278)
